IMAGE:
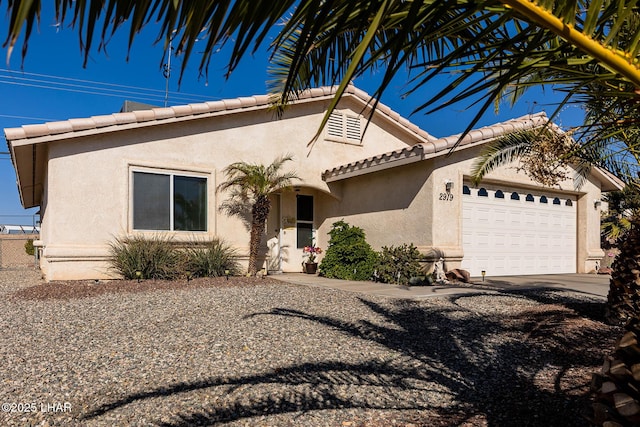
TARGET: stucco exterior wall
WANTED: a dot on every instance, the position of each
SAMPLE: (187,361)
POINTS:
(88,187)
(410,204)
(392,206)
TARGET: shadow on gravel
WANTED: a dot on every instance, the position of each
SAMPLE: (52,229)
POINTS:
(527,379)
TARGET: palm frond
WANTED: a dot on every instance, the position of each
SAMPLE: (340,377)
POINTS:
(501,152)
(492,50)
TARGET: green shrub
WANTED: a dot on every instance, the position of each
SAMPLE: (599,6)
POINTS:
(399,265)
(29,248)
(211,259)
(155,258)
(348,256)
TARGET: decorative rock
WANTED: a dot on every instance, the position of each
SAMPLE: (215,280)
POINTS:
(459,275)
(250,351)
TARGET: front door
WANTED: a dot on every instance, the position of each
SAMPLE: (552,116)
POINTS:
(297,230)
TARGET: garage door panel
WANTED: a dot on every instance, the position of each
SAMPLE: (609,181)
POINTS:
(505,237)
(500,217)
(499,241)
(543,219)
(543,242)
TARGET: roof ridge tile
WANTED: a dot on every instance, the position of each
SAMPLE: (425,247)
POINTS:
(194,109)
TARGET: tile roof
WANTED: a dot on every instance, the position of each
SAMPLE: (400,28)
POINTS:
(125,120)
(434,148)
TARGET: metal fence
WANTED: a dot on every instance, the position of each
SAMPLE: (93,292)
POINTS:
(13,253)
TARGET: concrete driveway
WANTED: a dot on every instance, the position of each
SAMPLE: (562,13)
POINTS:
(589,284)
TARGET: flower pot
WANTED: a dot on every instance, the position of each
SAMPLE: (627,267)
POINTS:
(310,267)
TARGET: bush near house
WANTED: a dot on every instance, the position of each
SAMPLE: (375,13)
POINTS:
(159,257)
(145,257)
(29,248)
(212,258)
(399,265)
(348,256)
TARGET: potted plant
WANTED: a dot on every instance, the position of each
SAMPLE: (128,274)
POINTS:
(310,266)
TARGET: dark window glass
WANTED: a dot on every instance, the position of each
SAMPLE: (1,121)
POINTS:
(568,203)
(466,190)
(305,221)
(305,234)
(483,192)
(305,208)
(499,194)
(151,201)
(529,198)
(189,203)
(543,199)
(515,196)
(556,201)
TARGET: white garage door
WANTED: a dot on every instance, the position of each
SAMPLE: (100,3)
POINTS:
(506,231)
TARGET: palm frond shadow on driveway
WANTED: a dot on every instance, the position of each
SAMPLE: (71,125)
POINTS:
(489,365)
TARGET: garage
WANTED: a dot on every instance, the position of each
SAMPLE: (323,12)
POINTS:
(515,231)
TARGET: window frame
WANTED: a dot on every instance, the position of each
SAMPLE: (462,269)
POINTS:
(171,173)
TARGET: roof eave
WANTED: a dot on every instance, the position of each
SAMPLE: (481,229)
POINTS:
(437,147)
(609,182)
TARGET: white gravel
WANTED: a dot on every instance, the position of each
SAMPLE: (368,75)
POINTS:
(276,354)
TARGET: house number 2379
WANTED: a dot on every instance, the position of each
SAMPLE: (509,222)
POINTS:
(446,197)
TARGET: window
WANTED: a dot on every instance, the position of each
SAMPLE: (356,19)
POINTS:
(529,198)
(515,196)
(482,193)
(568,203)
(304,223)
(499,194)
(344,128)
(169,202)
(543,199)
(556,201)
(466,190)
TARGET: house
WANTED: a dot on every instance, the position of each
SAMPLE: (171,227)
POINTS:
(102,177)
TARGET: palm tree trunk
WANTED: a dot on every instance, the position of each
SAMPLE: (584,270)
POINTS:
(259,214)
(623,301)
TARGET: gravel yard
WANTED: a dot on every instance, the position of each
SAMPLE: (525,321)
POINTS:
(260,352)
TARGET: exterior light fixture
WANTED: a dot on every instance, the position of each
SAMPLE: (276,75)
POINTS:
(484,273)
(597,204)
(226,273)
(448,185)
(138,275)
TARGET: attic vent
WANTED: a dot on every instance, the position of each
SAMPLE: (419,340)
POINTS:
(353,128)
(334,125)
(344,128)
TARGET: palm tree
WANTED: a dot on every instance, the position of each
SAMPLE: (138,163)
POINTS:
(251,185)
(622,209)
(492,45)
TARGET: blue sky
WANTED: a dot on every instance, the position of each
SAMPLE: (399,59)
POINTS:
(52,85)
